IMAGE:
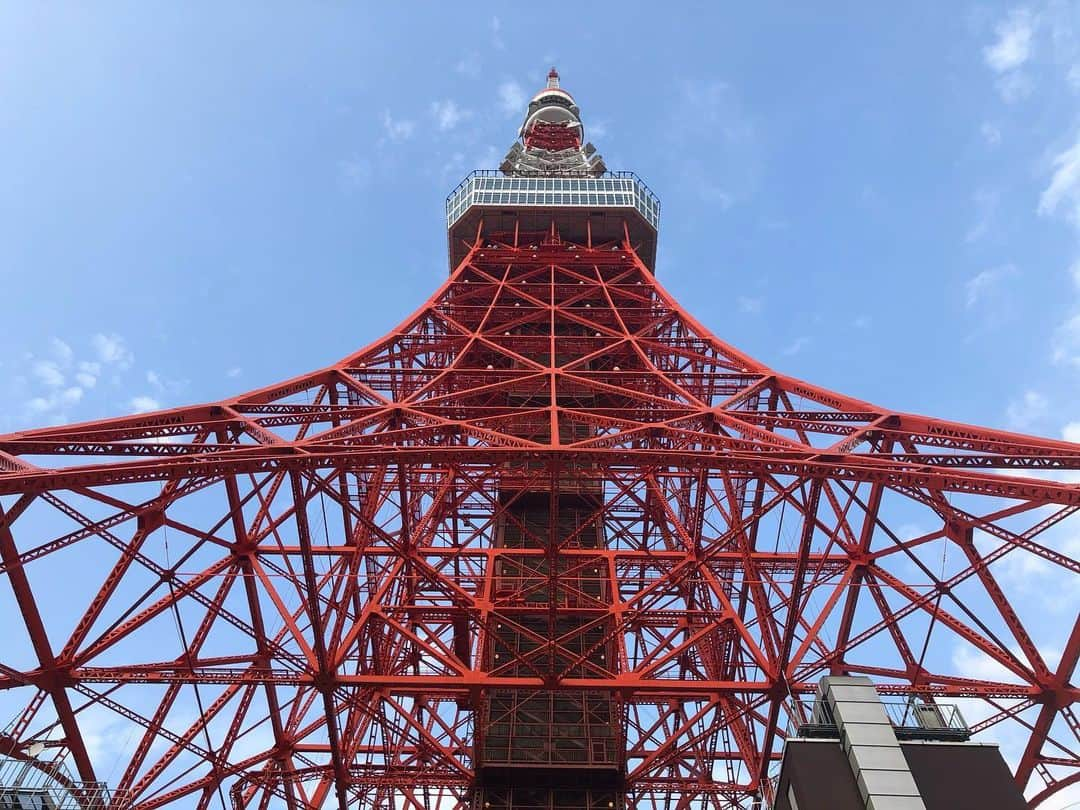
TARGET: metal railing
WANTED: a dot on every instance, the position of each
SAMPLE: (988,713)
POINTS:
(574,189)
(31,784)
(912,719)
(620,175)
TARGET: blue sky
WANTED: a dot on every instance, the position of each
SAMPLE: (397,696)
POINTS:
(199,203)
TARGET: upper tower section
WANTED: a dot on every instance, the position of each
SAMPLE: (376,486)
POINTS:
(551,138)
(553,181)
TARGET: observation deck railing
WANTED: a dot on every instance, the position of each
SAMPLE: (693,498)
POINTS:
(35,785)
(609,190)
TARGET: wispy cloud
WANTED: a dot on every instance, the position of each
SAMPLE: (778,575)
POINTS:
(750,306)
(235,371)
(66,381)
(468,65)
(112,351)
(1065,346)
(1010,52)
(447,114)
(144,404)
(991,135)
(796,346)
(1013,45)
(715,141)
(986,205)
(1061,197)
(354,172)
(53,408)
(718,110)
(1073,77)
(48,373)
(1071,432)
(1028,410)
(511,98)
(986,285)
(165,385)
(1014,87)
(61,350)
(488,156)
(88,373)
(496,34)
(1063,192)
(397,129)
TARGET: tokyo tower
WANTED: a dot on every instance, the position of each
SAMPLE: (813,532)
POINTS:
(549,543)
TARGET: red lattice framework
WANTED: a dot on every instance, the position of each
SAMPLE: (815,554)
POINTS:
(283,599)
(552,136)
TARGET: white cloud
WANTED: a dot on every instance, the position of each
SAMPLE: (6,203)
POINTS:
(597,129)
(164,384)
(1066,799)
(62,351)
(489,156)
(496,33)
(454,165)
(112,351)
(714,193)
(512,98)
(1066,343)
(796,346)
(974,663)
(715,111)
(990,133)
(1029,409)
(447,114)
(986,283)
(48,373)
(1064,186)
(751,306)
(1071,432)
(142,404)
(469,65)
(354,172)
(1013,46)
(1014,87)
(236,371)
(986,204)
(55,404)
(88,373)
(397,129)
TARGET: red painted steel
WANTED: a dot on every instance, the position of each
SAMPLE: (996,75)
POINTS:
(295,597)
(553,137)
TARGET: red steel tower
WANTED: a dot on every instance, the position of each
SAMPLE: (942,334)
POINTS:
(549,543)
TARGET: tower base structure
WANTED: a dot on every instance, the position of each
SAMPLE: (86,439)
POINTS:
(548,543)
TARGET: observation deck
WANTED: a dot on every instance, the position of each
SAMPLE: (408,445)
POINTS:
(581,207)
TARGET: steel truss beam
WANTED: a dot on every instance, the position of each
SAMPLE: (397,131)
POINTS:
(314,564)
